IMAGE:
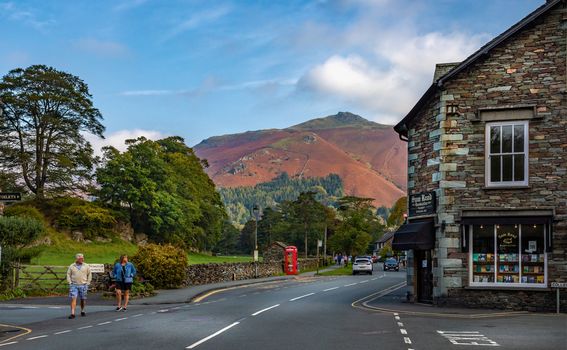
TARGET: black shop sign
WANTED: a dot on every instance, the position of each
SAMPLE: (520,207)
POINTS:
(10,197)
(422,204)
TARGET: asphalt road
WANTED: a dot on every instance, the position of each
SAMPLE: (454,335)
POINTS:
(309,313)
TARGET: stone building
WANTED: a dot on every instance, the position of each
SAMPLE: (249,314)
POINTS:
(487,172)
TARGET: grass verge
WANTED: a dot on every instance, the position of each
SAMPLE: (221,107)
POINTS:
(341,271)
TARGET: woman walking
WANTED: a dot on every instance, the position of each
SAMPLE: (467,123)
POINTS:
(124,273)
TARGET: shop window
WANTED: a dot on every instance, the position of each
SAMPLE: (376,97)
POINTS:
(508,255)
(507,154)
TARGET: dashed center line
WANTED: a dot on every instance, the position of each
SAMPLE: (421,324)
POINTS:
(63,332)
(103,323)
(266,309)
(212,336)
(328,289)
(348,285)
(407,340)
(11,343)
(403,331)
(303,296)
(120,319)
(138,315)
(365,281)
(38,337)
(85,327)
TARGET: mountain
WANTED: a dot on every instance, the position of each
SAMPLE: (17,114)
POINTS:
(369,157)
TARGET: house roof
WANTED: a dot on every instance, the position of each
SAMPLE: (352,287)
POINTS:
(402,129)
(279,244)
(386,237)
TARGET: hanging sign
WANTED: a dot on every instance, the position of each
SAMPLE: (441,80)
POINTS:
(422,204)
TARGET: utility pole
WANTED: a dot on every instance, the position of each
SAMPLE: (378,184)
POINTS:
(325,244)
(256,212)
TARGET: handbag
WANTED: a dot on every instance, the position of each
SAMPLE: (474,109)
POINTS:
(128,279)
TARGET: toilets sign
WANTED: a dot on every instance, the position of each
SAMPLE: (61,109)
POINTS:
(422,204)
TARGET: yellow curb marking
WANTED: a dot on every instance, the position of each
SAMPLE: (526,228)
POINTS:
(26,330)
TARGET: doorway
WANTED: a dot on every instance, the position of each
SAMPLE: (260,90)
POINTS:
(424,276)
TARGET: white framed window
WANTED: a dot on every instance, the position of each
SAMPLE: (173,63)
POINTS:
(506,154)
(508,255)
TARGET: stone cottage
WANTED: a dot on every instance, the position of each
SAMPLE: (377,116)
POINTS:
(487,172)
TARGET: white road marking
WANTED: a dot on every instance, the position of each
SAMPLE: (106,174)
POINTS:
(467,338)
(397,318)
(63,332)
(400,324)
(85,327)
(55,307)
(407,340)
(374,279)
(29,307)
(176,308)
(211,336)
(138,315)
(396,314)
(164,310)
(403,331)
(10,343)
(348,285)
(266,309)
(39,336)
(103,323)
(365,281)
(121,319)
(303,296)
(328,289)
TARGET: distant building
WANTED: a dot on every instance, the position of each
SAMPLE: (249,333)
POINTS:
(487,167)
(385,240)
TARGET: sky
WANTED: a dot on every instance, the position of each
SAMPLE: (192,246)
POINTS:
(201,68)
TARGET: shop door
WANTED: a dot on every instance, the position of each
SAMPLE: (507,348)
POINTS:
(424,276)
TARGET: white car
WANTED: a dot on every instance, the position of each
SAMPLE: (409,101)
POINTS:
(362,265)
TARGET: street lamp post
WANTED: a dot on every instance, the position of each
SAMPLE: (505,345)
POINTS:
(256,212)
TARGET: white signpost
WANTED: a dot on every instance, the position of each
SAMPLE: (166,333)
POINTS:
(558,285)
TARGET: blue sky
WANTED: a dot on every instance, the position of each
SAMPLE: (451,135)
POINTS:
(203,68)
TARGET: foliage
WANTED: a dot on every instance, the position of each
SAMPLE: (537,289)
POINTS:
(228,242)
(24,211)
(239,201)
(15,233)
(165,190)
(340,271)
(142,290)
(163,265)
(386,251)
(12,294)
(45,115)
(246,239)
(397,212)
(88,218)
(358,228)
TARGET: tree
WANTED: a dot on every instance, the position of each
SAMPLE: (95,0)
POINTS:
(246,241)
(397,212)
(228,242)
(44,115)
(359,226)
(163,186)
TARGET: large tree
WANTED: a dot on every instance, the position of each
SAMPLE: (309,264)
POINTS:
(165,190)
(45,113)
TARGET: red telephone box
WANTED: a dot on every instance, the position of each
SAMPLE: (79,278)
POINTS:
(290,260)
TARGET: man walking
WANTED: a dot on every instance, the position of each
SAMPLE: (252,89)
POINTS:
(79,277)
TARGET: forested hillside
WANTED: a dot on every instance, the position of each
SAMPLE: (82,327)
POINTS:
(239,201)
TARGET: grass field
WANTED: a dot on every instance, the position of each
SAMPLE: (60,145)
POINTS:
(62,253)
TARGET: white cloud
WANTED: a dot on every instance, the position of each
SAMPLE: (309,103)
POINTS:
(116,139)
(198,19)
(26,16)
(101,47)
(388,80)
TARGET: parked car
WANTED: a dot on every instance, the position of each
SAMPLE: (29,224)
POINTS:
(362,265)
(391,264)
(374,259)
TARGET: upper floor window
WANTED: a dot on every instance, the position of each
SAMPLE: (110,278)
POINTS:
(507,153)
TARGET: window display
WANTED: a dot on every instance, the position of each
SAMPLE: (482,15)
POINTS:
(508,254)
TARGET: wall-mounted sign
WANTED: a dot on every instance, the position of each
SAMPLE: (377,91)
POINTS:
(507,242)
(97,268)
(422,204)
(10,196)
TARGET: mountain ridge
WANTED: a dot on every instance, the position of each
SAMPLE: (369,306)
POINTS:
(369,157)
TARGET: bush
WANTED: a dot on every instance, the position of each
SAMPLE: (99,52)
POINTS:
(86,217)
(12,294)
(163,265)
(24,211)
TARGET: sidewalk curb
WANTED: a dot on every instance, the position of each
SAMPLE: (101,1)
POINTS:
(363,305)
(213,290)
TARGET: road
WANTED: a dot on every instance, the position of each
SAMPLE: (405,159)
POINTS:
(308,313)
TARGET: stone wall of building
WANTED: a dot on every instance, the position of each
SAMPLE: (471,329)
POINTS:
(447,152)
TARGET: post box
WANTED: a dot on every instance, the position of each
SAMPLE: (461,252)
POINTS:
(290,260)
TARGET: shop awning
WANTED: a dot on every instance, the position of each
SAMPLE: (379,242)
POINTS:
(415,235)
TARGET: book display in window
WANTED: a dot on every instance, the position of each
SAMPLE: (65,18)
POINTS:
(483,259)
(533,257)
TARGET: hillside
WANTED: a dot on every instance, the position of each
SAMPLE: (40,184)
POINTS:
(369,157)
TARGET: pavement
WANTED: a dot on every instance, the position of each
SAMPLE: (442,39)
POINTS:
(305,312)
